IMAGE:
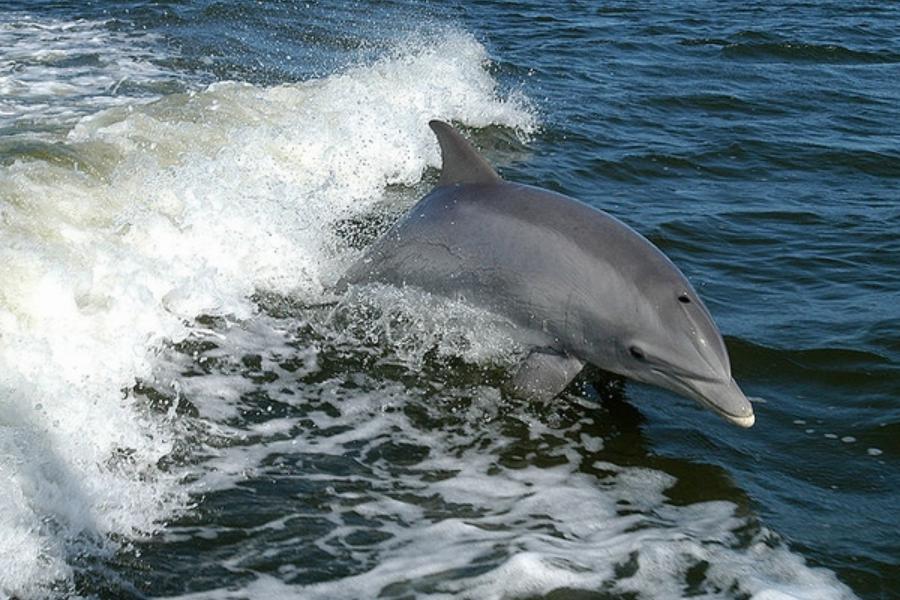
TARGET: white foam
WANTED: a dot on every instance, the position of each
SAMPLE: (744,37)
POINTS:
(52,70)
(482,529)
(182,206)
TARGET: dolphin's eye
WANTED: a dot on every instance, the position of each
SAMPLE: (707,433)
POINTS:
(636,352)
(684,299)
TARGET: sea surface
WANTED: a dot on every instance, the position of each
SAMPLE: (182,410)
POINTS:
(188,411)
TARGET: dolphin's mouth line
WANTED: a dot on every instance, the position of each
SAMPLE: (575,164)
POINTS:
(685,384)
(719,409)
(673,371)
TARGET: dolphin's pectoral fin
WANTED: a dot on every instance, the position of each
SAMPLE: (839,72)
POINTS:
(543,375)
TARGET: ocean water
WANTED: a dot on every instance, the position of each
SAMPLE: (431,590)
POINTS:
(187,410)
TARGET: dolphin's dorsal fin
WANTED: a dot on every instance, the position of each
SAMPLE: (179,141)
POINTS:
(461,163)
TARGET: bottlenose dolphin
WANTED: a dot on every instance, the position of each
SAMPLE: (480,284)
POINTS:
(582,286)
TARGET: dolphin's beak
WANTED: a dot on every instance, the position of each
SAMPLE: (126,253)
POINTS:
(725,398)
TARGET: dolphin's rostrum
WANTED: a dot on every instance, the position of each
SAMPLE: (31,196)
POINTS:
(582,285)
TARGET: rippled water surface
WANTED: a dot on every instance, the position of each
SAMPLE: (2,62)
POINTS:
(188,411)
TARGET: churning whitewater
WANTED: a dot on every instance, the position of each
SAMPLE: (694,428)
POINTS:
(144,216)
(160,365)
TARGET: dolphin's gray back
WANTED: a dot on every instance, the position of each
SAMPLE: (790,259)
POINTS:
(548,262)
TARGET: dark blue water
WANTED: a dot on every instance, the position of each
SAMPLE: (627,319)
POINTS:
(756,144)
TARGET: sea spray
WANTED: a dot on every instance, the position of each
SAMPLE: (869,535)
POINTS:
(183,206)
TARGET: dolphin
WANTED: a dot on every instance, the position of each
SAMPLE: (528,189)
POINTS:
(581,286)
